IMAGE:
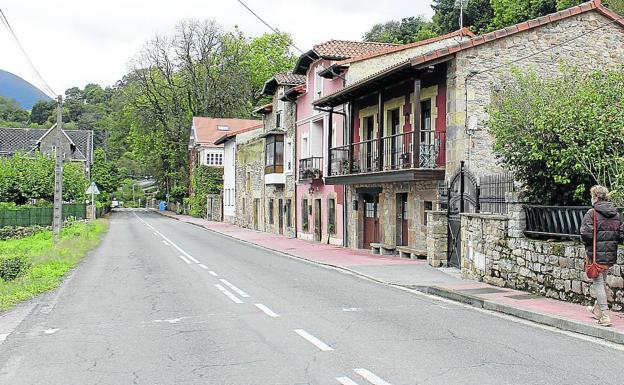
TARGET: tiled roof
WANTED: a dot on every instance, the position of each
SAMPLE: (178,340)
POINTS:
(594,5)
(344,49)
(392,49)
(25,140)
(289,79)
(265,109)
(229,135)
(207,132)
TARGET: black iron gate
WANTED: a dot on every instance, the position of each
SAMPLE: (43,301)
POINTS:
(463,197)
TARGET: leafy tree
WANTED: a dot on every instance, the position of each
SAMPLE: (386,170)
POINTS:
(10,111)
(408,30)
(104,173)
(478,15)
(561,135)
(267,55)
(205,180)
(42,111)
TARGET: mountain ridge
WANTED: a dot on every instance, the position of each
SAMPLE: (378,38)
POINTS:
(14,87)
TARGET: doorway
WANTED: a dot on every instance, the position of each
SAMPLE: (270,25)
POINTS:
(371,219)
(318,232)
(402,237)
(255,213)
(280,216)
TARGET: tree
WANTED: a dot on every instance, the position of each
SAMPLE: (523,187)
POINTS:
(478,15)
(42,111)
(408,30)
(10,111)
(561,135)
(104,173)
(509,12)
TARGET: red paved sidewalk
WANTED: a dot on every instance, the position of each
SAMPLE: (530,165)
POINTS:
(419,275)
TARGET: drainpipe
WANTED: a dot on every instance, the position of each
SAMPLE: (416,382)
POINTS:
(295,171)
(346,125)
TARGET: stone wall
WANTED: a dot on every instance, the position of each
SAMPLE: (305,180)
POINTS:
(589,51)
(493,254)
(214,207)
(437,238)
(250,181)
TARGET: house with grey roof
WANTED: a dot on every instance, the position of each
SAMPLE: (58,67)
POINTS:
(76,145)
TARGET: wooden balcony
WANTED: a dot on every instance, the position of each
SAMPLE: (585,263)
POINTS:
(389,159)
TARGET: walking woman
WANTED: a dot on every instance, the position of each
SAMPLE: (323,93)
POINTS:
(609,232)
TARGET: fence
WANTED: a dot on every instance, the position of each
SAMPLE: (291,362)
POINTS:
(554,221)
(41,216)
(492,190)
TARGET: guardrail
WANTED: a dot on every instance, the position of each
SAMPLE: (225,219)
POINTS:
(554,221)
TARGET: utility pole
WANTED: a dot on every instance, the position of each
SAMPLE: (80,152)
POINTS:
(57,221)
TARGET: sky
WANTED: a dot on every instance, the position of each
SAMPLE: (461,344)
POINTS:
(76,42)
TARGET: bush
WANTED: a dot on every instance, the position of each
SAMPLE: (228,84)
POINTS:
(12,267)
(9,232)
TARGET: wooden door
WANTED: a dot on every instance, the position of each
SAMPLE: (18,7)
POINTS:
(255,213)
(402,237)
(280,216)
(371,220)
(318,232)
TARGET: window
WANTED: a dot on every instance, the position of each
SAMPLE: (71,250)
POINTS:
(243,205)
(394,122)
(279,121)
(223,128)
(331,216)
(270,211)
(248,182)
(428,206)
(288,156)
(287,213)
(274,154)
(426,131)
(304,214)
(214,159)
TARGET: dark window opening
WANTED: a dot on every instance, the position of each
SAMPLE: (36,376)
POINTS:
(287,213)
(270,211)
(331,220)
(427,206)
(304,214)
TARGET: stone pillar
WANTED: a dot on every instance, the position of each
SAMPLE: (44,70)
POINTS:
(437,237)
(89,213)
(516,214)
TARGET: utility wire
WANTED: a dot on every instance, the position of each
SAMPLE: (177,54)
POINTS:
(277,31)
(45,87)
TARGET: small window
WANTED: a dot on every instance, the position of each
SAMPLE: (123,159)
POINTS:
(318,83)
(331,220)
(270,211)
(288,156)
(304,214)
(223,128)
(427,206)
(278,119)
(243,205)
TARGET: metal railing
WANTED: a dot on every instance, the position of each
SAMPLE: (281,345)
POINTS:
(311,168)
(554,221)
(389,153)
(492,191)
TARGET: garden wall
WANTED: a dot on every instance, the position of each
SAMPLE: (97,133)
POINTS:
(495,251)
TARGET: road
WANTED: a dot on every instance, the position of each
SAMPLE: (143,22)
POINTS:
(164,302)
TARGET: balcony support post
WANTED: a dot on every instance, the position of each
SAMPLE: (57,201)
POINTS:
(417,127)
(330,135)
(350,137)
(380,129)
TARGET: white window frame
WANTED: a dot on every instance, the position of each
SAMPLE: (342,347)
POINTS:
(318,83)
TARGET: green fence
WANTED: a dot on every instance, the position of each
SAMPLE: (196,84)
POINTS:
(41,216)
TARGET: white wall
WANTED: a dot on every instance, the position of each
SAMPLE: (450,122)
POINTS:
(204,151)
(229,179)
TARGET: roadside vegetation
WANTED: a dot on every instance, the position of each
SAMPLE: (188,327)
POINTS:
(32,265)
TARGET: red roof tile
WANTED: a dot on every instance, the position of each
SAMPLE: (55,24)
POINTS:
(344,49)
(207,133)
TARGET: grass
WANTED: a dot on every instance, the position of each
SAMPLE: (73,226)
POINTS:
(49,262)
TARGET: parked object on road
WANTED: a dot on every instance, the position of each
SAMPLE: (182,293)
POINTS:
(601,231)
(162,206)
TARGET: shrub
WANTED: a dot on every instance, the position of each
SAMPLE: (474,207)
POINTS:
(12,267)
(20,232)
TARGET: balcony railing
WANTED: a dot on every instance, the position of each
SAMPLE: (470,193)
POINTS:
(396,154)
(311,168)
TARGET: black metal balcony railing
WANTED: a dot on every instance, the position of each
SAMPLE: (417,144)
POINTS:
(554,221)
(311,168)
(396,154)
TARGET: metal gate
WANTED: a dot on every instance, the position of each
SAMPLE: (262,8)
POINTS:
(463,197)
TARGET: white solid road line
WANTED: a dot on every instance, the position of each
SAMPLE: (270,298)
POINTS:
(213,273)
(266,310)
(165,242)
(203,266)
(346,381)
(231,296)
(192,259)
(236,289)
(372,378)
(313,340)
(184,259)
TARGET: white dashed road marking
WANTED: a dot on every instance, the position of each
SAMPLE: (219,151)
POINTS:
(228,294)
(236,289)
(372,378)
(203,266)
(184,259)
(346,381)
(213,273)
(165,242)
(266,310)
(313,340)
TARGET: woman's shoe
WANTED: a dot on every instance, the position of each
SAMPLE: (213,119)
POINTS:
(604,320)
(595,311)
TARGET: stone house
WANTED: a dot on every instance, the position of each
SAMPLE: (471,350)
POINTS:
(414,122)
(278,136)
(76,145)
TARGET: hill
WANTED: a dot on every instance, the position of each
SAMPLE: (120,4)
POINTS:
(14,87)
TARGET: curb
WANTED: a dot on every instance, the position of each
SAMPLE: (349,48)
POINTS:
(608,334)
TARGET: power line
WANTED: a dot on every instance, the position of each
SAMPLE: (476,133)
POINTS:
(45,87)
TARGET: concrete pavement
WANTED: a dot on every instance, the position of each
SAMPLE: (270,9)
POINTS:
(164,302)
(419,275)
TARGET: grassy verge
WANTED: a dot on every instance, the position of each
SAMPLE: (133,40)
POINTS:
(49,262)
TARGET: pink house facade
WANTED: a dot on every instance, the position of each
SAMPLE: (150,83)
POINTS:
(320,207)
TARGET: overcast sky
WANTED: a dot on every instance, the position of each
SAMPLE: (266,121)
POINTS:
(75,42)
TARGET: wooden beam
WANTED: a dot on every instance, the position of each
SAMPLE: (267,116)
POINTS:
(416,129)
(380,127)
(330,130)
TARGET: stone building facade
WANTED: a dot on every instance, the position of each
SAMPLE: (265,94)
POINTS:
(249,176)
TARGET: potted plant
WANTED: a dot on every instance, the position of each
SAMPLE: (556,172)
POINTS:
(316,173)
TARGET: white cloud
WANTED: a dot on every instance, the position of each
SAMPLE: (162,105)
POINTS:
(75,42)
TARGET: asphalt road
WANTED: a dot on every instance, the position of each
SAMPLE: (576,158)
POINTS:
(164,302)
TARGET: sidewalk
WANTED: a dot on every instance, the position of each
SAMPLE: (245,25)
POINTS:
(418,275)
